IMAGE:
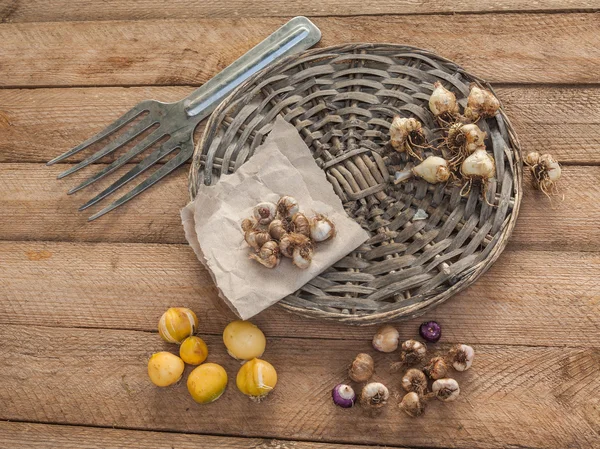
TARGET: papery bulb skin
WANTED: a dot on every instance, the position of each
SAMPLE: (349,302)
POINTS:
(374,395)
(462,357)
(386,339)
(446,390)
(265,212)
(362,368)
(412,405)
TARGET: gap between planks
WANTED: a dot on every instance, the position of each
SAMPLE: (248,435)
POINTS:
(553,48)
(23,434)
(62,10)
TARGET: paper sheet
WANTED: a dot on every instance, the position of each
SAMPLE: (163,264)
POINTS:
(283,165)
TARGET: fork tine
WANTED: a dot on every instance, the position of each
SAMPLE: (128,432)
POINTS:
(166,148)
(122,160)
(167,168)
(114,126)
(124,138)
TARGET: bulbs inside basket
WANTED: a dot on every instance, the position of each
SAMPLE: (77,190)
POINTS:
(281,230)
(460,155)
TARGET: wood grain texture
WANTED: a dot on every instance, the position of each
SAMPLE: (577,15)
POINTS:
(526,48)
(35,206)
(20,435)
(39,124)
(65,10)
(528,297)
(513,395)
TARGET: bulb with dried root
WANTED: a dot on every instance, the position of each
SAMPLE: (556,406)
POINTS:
(545,172)
(277,230)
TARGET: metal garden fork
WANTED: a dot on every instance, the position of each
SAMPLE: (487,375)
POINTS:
(177,121)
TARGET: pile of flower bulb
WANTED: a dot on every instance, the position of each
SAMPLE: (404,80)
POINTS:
(207,382)
(423,379)
(276,230)
(461,154)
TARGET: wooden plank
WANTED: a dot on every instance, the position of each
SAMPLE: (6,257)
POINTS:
(531,297)
(35,205)
(65,10)
(21,435)
(39,124)
(526,48)
(512,396)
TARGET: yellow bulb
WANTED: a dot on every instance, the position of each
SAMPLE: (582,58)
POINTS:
(207,383)
(165,369)
(193,350)
(244,341)
(256,378)
(176,324)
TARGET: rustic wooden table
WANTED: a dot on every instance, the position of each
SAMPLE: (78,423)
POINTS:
(79,302)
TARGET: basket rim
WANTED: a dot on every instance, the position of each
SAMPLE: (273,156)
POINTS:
(475,271)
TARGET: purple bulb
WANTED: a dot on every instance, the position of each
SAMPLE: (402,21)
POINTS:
(343,395)
(430,331)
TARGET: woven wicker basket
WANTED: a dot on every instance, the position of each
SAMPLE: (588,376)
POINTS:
(342,100)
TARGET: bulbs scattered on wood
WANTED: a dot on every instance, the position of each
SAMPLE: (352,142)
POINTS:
(374,395)
(413,352)
(207,383)
(193,350)
(176,324)
(244,340)
(414,380)
(362,368)
(256,378)
(545,172)
(386,339)
(420,384)
(165,369)
(343,396)
(461,357)
(446,390)
(430,331)
(412,404)
(436,368)
(277,230)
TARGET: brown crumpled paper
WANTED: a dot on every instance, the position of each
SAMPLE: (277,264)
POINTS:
(283,165)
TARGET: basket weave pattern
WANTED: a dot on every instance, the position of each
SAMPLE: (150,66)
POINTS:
(342,100)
